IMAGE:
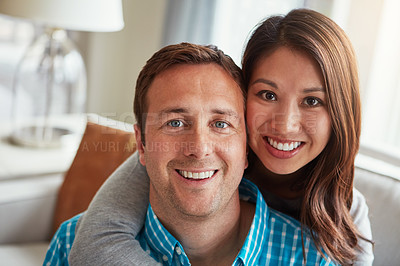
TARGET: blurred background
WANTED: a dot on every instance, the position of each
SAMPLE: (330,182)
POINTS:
(114,59)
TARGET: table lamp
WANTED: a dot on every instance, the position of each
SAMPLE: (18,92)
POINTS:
(50,80)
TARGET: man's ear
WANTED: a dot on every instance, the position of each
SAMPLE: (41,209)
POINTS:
(139,144)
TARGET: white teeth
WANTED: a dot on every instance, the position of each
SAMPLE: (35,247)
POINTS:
(280,146)
(201,175)
(284,146)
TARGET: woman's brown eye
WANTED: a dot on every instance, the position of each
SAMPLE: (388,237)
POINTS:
(270,96)
(311,101)
(267,95)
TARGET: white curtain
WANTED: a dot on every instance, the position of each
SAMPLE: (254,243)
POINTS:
(189,21)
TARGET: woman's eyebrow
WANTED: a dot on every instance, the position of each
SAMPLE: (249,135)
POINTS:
(314,89)
(266,81)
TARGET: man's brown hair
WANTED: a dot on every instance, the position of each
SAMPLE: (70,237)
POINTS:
(178,54)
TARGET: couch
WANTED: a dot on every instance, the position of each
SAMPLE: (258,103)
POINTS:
(27,220)
(31,209)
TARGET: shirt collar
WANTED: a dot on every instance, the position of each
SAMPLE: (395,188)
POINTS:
(252,247)
(162,242)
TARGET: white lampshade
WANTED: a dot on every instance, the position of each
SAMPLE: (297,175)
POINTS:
(79,15)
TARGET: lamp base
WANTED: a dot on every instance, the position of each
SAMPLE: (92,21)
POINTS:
(40,137)
(50,82)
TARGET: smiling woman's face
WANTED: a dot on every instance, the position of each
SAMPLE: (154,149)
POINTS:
(287,117)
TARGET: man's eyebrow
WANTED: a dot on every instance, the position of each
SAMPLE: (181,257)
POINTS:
(220,111)
(173,110)
(266,81)
(227,112)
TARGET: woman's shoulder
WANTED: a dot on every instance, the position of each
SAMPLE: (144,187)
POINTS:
(359,213)
(359,207)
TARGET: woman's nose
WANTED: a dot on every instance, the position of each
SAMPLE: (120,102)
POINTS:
(286,120)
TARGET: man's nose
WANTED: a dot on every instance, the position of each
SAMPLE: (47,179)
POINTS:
(198,143)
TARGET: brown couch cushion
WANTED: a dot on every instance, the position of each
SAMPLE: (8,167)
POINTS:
(100,152)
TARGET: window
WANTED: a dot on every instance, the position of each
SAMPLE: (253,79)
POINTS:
(381,94)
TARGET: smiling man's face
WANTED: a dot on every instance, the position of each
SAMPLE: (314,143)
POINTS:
(195,148)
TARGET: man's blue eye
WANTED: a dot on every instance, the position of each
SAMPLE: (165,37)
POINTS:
(175,123)
(221,124)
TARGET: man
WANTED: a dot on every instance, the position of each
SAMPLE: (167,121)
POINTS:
(191,137)
(194,150)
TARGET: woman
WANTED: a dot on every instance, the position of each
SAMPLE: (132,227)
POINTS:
(301,72)
(303,116)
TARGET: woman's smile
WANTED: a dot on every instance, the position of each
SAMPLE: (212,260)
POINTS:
(282,149)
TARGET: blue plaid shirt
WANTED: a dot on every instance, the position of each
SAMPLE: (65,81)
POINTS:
(60,245)
(274,239)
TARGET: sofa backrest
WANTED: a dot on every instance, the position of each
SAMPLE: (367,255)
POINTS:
(382,194)
(101,151)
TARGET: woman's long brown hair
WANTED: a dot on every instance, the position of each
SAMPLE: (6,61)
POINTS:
(328,189)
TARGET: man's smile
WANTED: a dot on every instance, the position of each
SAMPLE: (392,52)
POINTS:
(197,174)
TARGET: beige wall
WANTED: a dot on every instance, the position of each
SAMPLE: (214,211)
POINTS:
(114,60)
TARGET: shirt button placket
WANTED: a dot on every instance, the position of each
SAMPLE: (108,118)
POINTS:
(178,250)
(182,259)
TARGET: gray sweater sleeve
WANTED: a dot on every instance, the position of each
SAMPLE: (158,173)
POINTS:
(105,234)
(359,212)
